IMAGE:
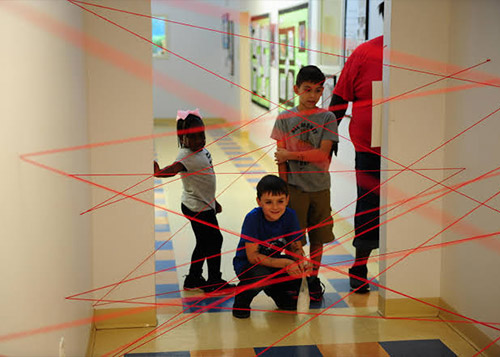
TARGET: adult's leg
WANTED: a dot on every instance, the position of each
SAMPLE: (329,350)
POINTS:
(366,221)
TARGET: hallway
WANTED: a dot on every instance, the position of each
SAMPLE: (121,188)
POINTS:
(80,91)
(197,324)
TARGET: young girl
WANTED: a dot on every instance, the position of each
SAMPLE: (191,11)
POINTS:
(198,200)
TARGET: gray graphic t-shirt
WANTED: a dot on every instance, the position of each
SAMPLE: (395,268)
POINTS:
(302,135)
(199,188)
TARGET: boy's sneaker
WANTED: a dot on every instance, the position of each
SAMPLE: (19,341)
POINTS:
(219,284)
(287,300)
(316,288)
(244,313)
(193,282)
(240,310)
(357,285)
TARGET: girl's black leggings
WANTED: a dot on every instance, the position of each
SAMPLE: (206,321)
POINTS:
(208,243)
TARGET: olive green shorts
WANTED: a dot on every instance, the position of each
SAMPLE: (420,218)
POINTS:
(313,209)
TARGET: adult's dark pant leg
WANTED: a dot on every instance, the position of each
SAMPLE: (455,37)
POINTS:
(366,220)
(208,243)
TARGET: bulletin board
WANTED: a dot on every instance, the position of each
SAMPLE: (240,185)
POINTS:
(293,38)
(260,60)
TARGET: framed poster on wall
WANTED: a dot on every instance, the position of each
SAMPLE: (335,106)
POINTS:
(293,38)
(260,63)
(159,36)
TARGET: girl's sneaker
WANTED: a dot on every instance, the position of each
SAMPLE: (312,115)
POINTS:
(193,282)
(217,284)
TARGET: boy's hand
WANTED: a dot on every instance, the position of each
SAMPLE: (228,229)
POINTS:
(306,267)
(156,168)
(218,207)
(293,268)
(281,156)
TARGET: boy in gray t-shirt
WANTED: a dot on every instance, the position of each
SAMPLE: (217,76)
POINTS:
(306,137)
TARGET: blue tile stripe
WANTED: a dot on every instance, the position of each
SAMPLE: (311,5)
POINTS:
(164,245)
(162,227)
(167,291)
(417,348)
(337,259)
(165,264)
(159,201)
(289,351)
(195,304)
(393,348)
(160,213)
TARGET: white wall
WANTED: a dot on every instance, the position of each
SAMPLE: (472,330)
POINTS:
(182,85)
(446,36)
(470,271)
(413,128)
(120,107)
(45,243)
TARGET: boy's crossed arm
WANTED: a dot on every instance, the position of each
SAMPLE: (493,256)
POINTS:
(282,155)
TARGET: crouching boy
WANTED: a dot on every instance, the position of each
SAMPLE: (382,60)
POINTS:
(261,262)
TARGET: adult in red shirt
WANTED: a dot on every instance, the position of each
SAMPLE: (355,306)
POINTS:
(362,67)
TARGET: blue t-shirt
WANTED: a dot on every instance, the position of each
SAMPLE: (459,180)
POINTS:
(257,227)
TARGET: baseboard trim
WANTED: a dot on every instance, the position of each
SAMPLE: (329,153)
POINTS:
(408,307)
(91,342)
(469,332)
(125,318)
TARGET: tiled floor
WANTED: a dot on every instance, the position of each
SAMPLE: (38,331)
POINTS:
(194,324)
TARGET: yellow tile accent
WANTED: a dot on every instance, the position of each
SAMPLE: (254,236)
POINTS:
(408,307)
(125,317)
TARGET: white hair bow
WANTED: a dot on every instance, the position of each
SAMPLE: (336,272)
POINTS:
(182,114)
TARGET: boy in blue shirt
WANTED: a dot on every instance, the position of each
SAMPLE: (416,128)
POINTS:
(277,227)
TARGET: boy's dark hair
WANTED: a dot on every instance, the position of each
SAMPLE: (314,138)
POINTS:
(272,184)
(381,9)
(310,74)
(183,125)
